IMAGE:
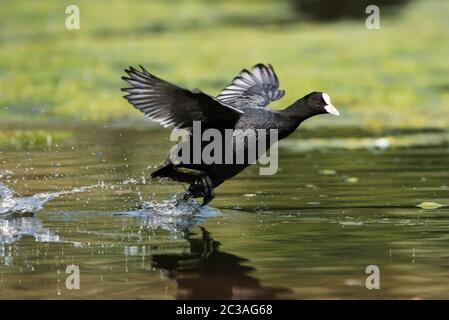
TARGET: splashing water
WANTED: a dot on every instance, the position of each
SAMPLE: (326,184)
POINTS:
(12,203)
(12,230)
(174,206)
(173,215)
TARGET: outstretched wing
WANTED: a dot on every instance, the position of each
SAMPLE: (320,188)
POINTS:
(255,88)
(173,106)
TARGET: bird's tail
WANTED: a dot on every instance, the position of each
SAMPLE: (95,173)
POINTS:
(170,170)
(165,170)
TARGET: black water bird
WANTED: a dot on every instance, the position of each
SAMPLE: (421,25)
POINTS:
(240,105)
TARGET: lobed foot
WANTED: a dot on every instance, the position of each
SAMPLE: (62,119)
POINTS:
(202,187)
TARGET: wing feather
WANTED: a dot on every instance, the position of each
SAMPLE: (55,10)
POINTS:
(255,88)
(173,106)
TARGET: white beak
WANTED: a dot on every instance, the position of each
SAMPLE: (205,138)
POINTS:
(329,107)
(332,110)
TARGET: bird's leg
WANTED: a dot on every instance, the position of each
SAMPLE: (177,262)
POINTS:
(202,187)
(187,195)
(209,193)
(200,184)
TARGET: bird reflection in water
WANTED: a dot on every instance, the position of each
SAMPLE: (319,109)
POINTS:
(208,273)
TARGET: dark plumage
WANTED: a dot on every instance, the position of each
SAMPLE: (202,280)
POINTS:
(241,105)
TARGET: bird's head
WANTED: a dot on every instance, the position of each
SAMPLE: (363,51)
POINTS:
(320,103)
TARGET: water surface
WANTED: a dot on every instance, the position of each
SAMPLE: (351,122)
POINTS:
(342,200)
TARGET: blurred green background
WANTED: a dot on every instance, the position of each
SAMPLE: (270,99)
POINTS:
(395,77)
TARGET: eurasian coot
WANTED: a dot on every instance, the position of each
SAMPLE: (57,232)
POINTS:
(240,106)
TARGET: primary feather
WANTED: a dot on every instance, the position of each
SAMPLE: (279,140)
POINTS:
(173,106)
